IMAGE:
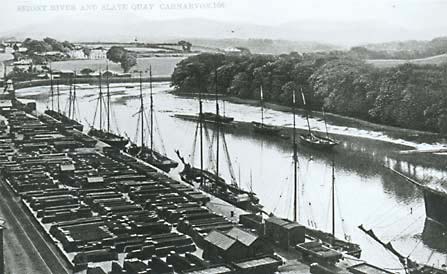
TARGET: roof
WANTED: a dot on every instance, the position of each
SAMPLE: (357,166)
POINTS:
(220,240)
(277,221)
(5,103)
(66,71)
(258,262)
(97,179)
(246,238)
(69,167)
(210,270)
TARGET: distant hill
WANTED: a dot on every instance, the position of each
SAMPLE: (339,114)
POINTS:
(410,49)
(386,63)
(264,46)
(110,29)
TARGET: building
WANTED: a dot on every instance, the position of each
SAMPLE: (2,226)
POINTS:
(23,64)
(77,54)
(98,53)
(284,232)
(255,244)
(219,244)
(235,245)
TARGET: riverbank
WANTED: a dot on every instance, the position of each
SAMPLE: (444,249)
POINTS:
(339,120)
(90,80)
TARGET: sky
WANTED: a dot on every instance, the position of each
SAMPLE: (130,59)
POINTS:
(423,18)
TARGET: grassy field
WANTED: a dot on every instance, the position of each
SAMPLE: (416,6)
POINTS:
(433,60)
(161,66)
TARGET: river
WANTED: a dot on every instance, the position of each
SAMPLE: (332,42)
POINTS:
(366,193)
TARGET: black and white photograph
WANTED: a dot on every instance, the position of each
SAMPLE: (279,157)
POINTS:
(223,136)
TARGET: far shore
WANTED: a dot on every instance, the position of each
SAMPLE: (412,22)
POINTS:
(331,117)
(88,80)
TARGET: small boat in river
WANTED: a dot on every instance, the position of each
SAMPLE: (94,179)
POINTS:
(260,127)
(314,140)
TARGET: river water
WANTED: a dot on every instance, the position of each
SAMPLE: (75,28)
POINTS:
(366,193)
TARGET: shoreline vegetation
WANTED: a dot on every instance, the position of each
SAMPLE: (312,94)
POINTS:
(88,80)
(338,119)
(409,96)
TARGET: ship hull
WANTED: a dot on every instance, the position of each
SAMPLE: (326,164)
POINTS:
(218,187)
(436,206)
(109,138)
(154,158)
(265,129)
(67,122)
(317,142)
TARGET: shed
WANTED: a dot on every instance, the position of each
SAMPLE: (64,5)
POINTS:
(220,244)
(255,244)
(284,232)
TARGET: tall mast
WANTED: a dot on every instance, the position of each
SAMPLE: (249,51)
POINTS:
(152,108)
(70,94)
(217,123)
(108,98)
(333,198)
(307,111)
(325,123)
(58,97)
(141,111)
(73,98)
(295,164)
(100,100)
(262,108)
(201,138)
(51,88)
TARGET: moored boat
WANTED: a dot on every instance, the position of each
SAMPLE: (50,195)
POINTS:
(106,135)
(261,127)
(314,140)
(109,138)
(435,199)
(209,116)
(66,121)
(217,186)
(265,129)
(212,182)
(147,153)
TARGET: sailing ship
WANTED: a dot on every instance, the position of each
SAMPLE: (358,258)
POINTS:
(212,182)
(148,153)
(212,117)
(260,127)
(435,200)
(328,239)
(106,135)
(69,121)
(411,267)
(314,140)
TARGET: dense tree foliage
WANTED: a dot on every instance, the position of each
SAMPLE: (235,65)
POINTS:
(120,55)
(47,44)
(401,50)
(410,96)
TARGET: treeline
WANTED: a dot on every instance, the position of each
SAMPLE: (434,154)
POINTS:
(408,96)
(36,48)
(47,44)
(402,50)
